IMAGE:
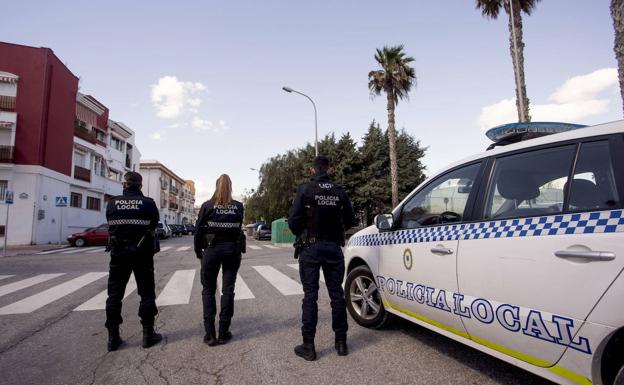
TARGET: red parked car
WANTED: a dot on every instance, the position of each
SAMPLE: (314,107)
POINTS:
(95,236)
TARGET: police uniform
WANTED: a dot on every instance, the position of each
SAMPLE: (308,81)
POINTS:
(132,218)
(319,216)
(218,245)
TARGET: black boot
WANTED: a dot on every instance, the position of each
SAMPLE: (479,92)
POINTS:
(341,347)
(210,338)
(150,337)
(114,339)
(306,351)
(224,332)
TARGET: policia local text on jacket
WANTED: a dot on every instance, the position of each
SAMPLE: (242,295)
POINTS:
(132,219)
(218,245)
(319,216)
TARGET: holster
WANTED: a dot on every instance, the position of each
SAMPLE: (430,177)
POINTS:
(209,240)
(242,242)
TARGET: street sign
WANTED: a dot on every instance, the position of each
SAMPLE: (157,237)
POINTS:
(8,197)
(61,201)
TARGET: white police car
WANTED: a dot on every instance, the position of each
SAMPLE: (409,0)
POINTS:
(517,252)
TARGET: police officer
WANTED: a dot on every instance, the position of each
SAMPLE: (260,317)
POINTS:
(319,216)
(132,219)
(218,244)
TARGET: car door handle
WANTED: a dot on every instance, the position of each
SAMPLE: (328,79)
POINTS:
(589,255)
(441,250)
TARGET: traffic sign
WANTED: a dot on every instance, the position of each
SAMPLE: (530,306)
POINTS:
(8,197)
(61,201)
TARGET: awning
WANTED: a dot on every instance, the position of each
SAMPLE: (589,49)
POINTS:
(8,77)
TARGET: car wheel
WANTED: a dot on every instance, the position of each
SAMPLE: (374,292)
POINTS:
(619,378)
(79,242)
(363,298)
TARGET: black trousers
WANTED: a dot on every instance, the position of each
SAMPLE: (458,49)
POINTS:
(226,256)
(327,256)
(125,261)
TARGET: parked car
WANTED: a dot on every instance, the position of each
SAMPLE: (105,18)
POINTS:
(163,231)
(178,230)
(190,229)
(263,232)
(517,252)
(93,236)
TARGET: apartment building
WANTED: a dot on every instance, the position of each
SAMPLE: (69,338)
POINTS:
(55,142)
(174,196)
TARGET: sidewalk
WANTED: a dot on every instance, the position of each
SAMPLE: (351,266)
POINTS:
(13,251)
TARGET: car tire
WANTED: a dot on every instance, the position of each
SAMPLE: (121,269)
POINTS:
(619,378)
(366,307)
(80,242)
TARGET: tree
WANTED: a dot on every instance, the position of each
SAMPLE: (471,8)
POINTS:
(396,79)
(617,13)
(491,9)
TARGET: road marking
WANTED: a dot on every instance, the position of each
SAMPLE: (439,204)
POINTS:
(279,280)
(165,248)
(183,248)
(78,250)
(254,247)
(6,276)
(271,247)
(178,289)
(19,285)
(99,301)
(52,251)
(39,300)
(241,290)
(97,250)
(296,267)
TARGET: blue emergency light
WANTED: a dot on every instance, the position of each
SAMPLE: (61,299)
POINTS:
(515,132)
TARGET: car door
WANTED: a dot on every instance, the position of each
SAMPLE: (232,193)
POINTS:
(550,245)
(417,262)
(101,235)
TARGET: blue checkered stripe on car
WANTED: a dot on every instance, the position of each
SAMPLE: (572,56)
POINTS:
(582,223)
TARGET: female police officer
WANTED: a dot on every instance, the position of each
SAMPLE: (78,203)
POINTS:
(218,245)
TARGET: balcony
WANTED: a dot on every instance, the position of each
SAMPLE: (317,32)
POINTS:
(7,154)
(174,190)
(82,173)
(7,102)
(83,133)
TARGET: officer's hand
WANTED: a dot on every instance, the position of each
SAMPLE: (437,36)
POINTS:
(198,254)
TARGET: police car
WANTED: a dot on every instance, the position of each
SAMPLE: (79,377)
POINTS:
(517,252)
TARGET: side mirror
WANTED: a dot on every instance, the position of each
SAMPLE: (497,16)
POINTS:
(384,222)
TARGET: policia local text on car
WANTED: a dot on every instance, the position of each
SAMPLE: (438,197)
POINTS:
(132,219)
(319,216)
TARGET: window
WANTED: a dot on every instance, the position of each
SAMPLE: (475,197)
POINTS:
(116,143)
(593,185)
(4,185)
(99,135)
(102,229)
(75,200)
(114,175)
(93,203)
(530,184)
(442,201)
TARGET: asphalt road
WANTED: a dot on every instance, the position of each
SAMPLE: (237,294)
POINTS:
(45,340)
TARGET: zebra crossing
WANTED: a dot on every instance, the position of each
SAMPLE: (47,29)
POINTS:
(101,249)
(177,290)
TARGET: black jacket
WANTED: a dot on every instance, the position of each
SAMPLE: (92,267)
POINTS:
(322,209)
(131,215)
(224,222)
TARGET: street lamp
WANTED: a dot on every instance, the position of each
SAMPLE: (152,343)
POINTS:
(289,90)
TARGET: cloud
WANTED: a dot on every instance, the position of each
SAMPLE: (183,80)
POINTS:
(577,98)
(172,97)
(202,192)
(201,124)
(156,136)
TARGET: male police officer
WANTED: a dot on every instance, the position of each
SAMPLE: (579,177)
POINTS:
(319,216)
(132,219)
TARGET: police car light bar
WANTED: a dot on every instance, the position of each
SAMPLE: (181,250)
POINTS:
(516,132)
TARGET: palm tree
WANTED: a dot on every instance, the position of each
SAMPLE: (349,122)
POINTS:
(396,78)
(617,13)
(491,9)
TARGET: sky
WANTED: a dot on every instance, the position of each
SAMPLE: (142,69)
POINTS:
(200,81)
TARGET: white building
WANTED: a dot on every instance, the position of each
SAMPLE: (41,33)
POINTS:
(174,196)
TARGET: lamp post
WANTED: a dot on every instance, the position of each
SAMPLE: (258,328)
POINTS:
(289,90)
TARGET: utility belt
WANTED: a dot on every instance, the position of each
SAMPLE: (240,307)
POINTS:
(210,240)
(115,242)
(303,243)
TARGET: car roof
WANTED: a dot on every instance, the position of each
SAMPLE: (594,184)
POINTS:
(585,132)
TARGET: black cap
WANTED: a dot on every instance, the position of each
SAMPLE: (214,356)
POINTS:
(133,178)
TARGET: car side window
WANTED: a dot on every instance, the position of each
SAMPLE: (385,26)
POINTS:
(102,229)
(530,184)
(593,185)
(441,201)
